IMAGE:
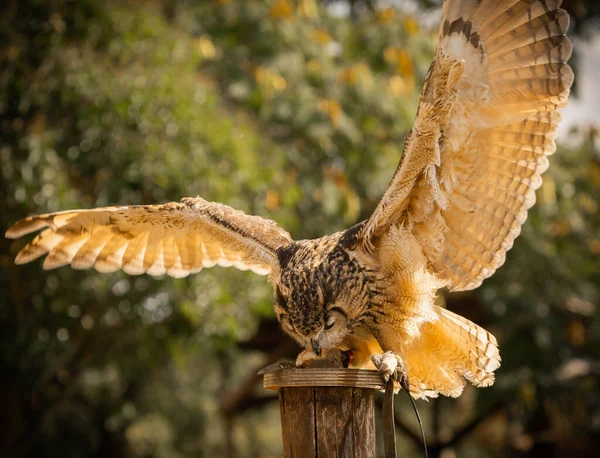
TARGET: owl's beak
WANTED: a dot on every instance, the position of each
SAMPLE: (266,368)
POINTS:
(316,347)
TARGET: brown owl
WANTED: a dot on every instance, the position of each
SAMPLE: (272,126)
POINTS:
(470,167)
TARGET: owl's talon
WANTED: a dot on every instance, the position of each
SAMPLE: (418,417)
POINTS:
(305,358)
(390,365)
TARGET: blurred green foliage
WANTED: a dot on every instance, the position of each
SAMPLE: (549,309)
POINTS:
(281,109)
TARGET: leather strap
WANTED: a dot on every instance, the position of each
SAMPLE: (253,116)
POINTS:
(389,427)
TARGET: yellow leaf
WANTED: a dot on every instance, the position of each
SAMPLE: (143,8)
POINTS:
(355,74)
(282,9)
(321,36)
(332,108)
(337,176)
(390,54)
(397,86)
(411,26)
(206,48)
(385,15)
(269,80)
(347,75)
(272,199)
(352,206)
(405,63)
(308,8)
(313,65)
(401,58)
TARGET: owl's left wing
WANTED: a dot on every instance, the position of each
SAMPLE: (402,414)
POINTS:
(485,124)
(177,239)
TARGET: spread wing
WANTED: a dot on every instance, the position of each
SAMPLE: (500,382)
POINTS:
(177,238)
(485,124)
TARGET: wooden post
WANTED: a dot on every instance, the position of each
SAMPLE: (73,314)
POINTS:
(326,412)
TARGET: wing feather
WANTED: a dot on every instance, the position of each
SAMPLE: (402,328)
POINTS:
(485,126)
(176,238)
(89,251)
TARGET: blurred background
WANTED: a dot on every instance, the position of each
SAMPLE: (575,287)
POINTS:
(296,111)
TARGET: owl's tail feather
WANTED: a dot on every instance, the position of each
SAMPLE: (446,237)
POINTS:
(450,352)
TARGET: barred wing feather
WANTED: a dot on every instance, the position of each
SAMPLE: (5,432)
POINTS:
(485,126)
(177,238)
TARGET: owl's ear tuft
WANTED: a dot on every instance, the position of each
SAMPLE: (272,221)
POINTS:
(285,253)
(350,237)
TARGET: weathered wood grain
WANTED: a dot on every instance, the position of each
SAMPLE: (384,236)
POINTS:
(334,415)
(363,401)
(297,406)
(326,413)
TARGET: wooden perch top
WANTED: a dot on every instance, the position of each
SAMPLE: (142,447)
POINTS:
(276,378)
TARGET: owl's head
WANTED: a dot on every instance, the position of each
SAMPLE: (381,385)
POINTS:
(313,297)
(306,314)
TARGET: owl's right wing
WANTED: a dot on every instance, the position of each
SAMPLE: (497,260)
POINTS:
(177,239)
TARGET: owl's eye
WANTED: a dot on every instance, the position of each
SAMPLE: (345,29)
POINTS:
(335,314)
(330,322)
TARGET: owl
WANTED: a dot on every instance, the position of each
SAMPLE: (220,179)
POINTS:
(471,163)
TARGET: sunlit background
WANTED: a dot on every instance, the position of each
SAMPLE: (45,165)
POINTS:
(293,110)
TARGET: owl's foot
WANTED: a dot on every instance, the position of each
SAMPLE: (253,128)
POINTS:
(331,358)
(389,366)
(305,358)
